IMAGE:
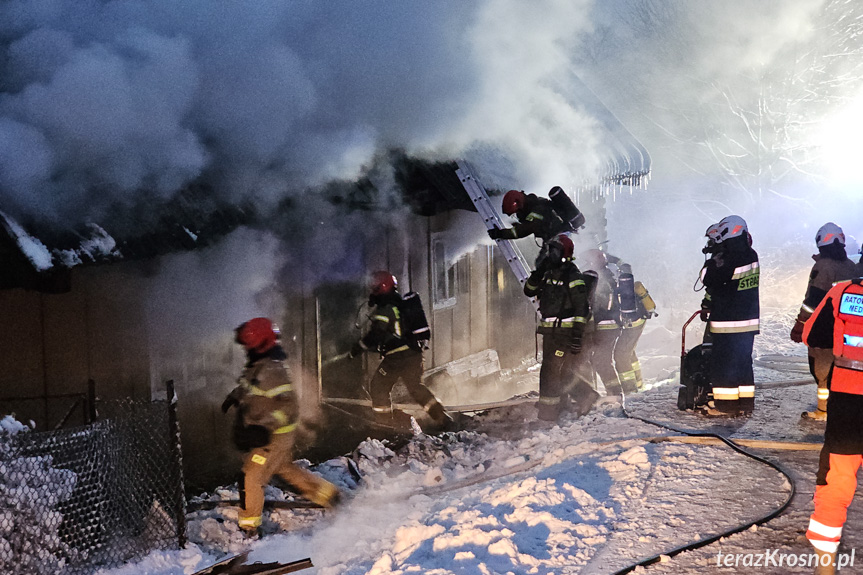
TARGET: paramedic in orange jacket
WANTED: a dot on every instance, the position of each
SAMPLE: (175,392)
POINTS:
(837,324)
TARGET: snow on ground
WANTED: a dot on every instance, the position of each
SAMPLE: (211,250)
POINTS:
(509,495)
(593,495)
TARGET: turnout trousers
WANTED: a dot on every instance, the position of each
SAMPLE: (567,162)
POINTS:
(407,366)
(602,357)
(559,377)
(731,371)
(626,361)
(276,458)
(820,363)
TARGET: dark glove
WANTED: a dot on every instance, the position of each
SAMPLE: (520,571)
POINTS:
(229,402)
(248,437)
(495,233)
(575,343)
(797,330)
(705,313)
(356,350)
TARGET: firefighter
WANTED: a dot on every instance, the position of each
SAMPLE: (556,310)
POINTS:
(543,218)
(266,423)
(836,325)
(831,265)
(731,309)
(401,352)
(634,301)
(603,329)
(563,306)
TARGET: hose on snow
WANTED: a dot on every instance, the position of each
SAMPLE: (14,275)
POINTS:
(713,538)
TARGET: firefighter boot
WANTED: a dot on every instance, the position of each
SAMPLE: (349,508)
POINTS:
(820,411)
(583,398)
(548,411)
(443,420)
(816,415)
(326,495)
(826,563)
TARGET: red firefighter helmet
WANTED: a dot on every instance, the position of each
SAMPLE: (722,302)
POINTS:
(566,246)
(593,260)
(383,282)
(258,335)
(513,201)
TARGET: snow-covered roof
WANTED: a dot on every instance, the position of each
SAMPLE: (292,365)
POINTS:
(34,250)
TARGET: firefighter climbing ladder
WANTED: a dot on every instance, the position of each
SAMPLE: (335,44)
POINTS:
(479,197)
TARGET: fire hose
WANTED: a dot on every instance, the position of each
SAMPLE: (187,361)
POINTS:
(713,538)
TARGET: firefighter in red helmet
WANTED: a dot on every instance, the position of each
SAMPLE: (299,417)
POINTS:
(837,325)
(266,423)
(831,265)
(563,305)
(398,332)
(540,217)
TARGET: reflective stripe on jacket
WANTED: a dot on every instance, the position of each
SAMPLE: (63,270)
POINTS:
(731,278)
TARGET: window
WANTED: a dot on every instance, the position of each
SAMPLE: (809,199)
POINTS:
(444,276)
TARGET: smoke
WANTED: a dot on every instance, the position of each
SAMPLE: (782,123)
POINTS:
(731,100)
(101,101)
(105,102)
(201,296)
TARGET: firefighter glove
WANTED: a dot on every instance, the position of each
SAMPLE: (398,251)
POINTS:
(797,330)
(356,350)
(705,313)
(495,233)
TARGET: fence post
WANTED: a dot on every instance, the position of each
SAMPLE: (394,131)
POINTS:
(90,416)
(180,496)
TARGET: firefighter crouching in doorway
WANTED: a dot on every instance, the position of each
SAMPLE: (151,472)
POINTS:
(266,423)
(563,306)
(543,218)
(831,265)
(636,307)
(391,335)
(731,308)
(837,325)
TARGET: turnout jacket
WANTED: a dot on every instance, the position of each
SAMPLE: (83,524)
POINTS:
(837,324)
(537,217)
(562,295)
(731,280)
(826,272)
(387,333)
(265,395)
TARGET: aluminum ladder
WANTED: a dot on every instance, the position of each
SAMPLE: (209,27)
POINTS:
(479,197)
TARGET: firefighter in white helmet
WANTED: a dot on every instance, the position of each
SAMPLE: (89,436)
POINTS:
(731,307)
(831,265)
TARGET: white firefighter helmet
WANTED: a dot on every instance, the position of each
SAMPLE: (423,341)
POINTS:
(829,233)
(730,227)
(712,232)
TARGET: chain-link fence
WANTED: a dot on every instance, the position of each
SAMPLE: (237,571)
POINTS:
(73,500)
